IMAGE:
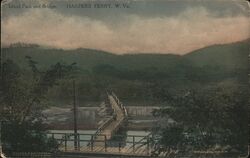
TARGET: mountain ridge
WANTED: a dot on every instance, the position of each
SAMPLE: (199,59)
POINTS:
(228,56)
(139,76)
(31,45)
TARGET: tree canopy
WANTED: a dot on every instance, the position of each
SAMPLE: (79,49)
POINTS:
(22,99)
(206,119)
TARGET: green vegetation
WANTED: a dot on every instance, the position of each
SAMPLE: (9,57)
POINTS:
(139,76)
(22,101)
(205,92)
(212,118)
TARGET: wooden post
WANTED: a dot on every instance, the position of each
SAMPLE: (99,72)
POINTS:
(65,142)
(119,146)
(92,142)
(105,143)
(79,142)
(148,146)
(133,144)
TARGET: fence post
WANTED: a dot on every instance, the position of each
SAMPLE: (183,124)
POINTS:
(78,140)
(105,143)
(119,146)
(92,143)
(65,142)
(148,152)
(133,144)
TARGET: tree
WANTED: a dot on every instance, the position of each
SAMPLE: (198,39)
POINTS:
(22,101)
(206,118)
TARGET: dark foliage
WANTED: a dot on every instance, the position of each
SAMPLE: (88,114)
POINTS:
(21,104)
(214,118)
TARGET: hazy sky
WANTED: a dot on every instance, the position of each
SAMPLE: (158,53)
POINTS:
(147,26)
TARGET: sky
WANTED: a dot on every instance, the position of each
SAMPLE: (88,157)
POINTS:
(146,26)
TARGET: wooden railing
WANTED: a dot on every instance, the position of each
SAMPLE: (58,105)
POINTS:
(100,128)
(107,122)
(144,142)
(131,145)
(120,104)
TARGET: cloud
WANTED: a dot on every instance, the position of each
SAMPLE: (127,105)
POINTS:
(192,29)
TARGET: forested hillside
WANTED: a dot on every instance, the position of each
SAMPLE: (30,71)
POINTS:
(142,79)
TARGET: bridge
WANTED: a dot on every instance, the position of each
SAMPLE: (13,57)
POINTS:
(113,123)
(100,143)
(114,117)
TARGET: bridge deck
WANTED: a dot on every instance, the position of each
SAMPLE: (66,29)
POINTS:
(116,122)
(100,141)
(113,125)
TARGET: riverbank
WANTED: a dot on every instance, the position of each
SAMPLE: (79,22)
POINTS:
(132,125)
(88,118)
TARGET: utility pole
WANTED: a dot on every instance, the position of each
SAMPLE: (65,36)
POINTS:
(75,116)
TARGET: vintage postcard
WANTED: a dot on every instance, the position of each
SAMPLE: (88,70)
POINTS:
(125,78)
